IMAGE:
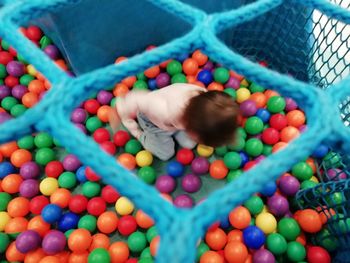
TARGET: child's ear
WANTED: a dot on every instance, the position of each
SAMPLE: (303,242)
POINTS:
(114,119)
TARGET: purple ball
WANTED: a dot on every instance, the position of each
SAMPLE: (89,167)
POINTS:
(71,163)
(78,115)
(209,65)
(191,183)
(260,158)
(336,174)
(233,83)
(27,241)
(302,128)
(4,116)
(4,91)
(289,185)
(278,205)
(200,165)
(248,108)
(42,94)
(54,242)
(162,80)
(290,104)
(263,256)
(15,68)
(165,184)
(183,201)
(81,127)
(29,188)
(52,51)
(29,170)
(18,91)
(104,97)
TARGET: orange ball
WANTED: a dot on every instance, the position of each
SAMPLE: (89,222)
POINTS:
(103,113)
(50,259)
(11,183)
(18,207)
(259,98)
(47,84)
(34,256)
(99,241)
(12,254)
(7,149)
(278,146)
(310,221)
(200,57)
(211,257)
(119,252)
(120,90)
(79,240)
(216,86)
(236,252)
(166,197)
(216,239)
(312,164)
(325,213)
(199,84)
(36,86)
(235,235)
(270,93)
(107,222)
(38,224)
(63,256)
(30,99)
(190,66)
(240,217)
(191,79)
(165,63)
(61,64)
(236,75)
(120,59)
(143,220)
(301,239)
(289,133)
(249,259)
(40,76)
(152,72)
(78,257)
(16,225)
(154,245)
(61,197)
(218,169)
(127,160)
(20,156)
(129,81)
(296,118)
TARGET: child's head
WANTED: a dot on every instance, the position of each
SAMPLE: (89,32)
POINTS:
(211,118)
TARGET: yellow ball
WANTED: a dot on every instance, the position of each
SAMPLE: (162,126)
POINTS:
(48,186)
(314,179)
(244,83)
(124,206)
(144,158)
(242,94)
(266,222)
(31,70)
(264,210)
(4,219)
(204,151)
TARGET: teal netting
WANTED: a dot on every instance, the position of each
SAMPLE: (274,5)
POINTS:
(288,34)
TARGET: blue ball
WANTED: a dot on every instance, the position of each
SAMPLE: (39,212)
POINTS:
(175,169)
(253,237)
(6,168)
(244,158)
(80,174)
(68,221)
(181,58)
(225,223)
(51,213)
(152,84)
(269,189)
(205,77)
(320,151)
(263,114)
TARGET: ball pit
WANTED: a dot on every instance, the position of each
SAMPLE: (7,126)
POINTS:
(66,212)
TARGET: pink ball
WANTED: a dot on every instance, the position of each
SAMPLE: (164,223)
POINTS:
(248,108)
(191,183)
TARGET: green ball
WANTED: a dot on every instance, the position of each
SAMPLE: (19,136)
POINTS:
(44,42)
(67,180)
(267,150)
(288,228)
(3,72)
(256,88)
(26,79)
(254,125)
(88,222)
(146,253)
(295,251)
(276,104)
(276,243)
(232,160)
(201,249)
(145,260)
(5,45)
(99,255)
(140,85)
(174,67)
(91,189)
(231,92)
(4,242)
(151,233)
(26,142)
(238,145)
(22,59)
(8,102)
(141,76)
(254,147)
(336,198)
(178,78)
(68,233)
(254,204)
(137,242)
(147,174)
(308,184)
(221,75)
(113,102)
(133,146)
(5,198)
(1,81)
(93,123)
(221,151)
(44,155)
(56,142)
(42,140)
(326,240)
(241,133)
(232,175)
(332,160)
(18,110)
(302,171)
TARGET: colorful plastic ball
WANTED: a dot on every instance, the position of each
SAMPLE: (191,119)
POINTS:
(175,169)
(162,80)
(127,225)
(29,188)
(276,243)
(216,239)
(18,91)
(302,171)
(183,201)
(205,77)
(295,251)
(152,84)
(254,125)
(147,174)
(119,252)
(6,168)
(269,189)
(79,240)
(263,256)
(120,138)
(43,140)
(253,237)
(79,115)
(276,104)
(44,155)
(288,228)
(144,158)
(295,118)
(278,205)
(37,204)
(51,213)
(54,242)
(80,174)
(143,220)
(254,147)
(29,170)
(11,183)
(87,222)
(18,207)
(278,121)
(71,162)
(91,189)
(15,68)
(68,221)
(266,222)
(240,217)
(232,160)
(13,255)
(127,160)
(316,254)
(4,242)
(28,240)
(191,183)
(52,169)
(320,151)
(78,203)
(204,151)
(165,184)
(218,169)
(67,180)
(235,252)
(99,241)
(4,219)
(200,165)
(248,108)
(254,204)
(124,206)
(270,136)
(5,198)
(137,242)
(48,186)
(174,67)
(190,66)
(99,255)
(107,222)
(109,194)
(243,94)
(221,75)
(309,221)
(96,206)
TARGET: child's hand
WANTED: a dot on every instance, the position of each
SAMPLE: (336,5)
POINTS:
(114,119)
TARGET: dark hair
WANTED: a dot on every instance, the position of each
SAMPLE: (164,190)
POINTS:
(212,117)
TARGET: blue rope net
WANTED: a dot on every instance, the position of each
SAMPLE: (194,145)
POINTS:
(279,31)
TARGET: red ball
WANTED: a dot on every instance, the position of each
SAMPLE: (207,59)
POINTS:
(91,175)
(34,33)
(96,206)
(54,169)
(270,136)
(127,225)
(318,255)
(11,81)
(131,260)
(120,138)
(5,57)
(101,135)
(37,204)
(91,106)
(278,121)
(185,156)
(214,226)
(109,194)
(249,165)
(13,51)
(109,147)
(78,203)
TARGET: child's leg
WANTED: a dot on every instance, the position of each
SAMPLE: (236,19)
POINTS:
(158,142)
(184,141)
